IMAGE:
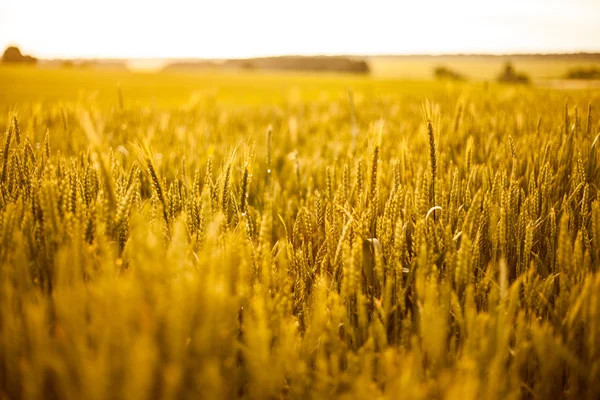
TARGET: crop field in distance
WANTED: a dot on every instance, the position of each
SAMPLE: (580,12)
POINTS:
(265,235)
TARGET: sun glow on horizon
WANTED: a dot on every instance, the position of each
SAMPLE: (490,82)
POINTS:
(228,28)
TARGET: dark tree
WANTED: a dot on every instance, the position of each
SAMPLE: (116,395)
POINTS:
(12,54)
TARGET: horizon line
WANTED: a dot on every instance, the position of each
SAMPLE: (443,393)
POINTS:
(351,55)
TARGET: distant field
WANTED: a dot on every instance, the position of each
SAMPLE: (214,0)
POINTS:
(168,89)
(165,89)
(479,68)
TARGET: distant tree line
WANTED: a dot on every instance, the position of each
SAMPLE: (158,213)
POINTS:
(284,63)
(508,75)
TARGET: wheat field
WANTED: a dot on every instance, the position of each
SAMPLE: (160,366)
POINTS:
(295,237)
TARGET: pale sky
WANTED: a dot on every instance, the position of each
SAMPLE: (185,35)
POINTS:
(230,28)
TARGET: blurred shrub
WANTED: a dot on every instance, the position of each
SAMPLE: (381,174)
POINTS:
(442,72)
(509,75)
(583,73)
